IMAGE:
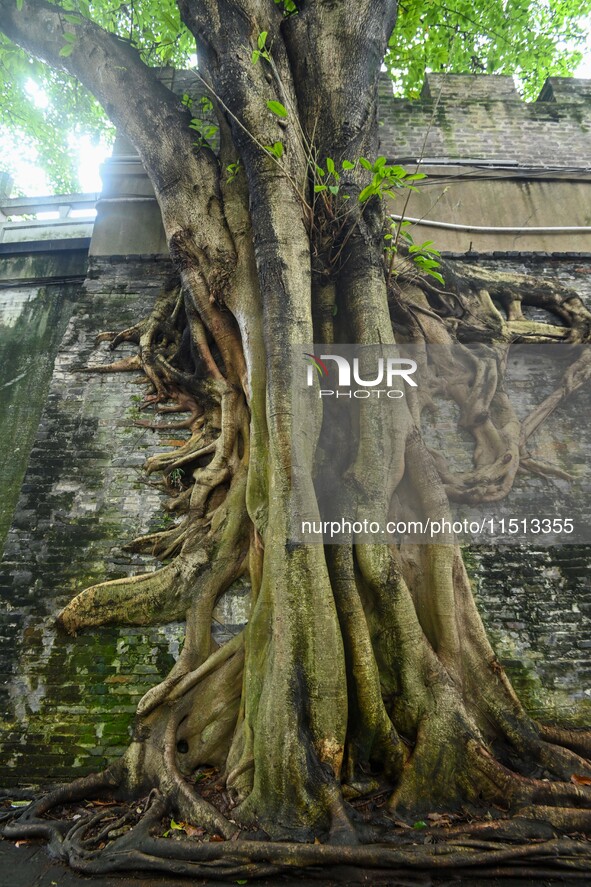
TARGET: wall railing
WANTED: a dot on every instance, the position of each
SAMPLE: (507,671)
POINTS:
(55,217)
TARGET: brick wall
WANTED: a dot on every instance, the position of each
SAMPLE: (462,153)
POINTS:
(536,602)
(68,702)
(477,116)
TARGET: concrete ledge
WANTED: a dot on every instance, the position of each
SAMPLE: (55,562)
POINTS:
(44,246)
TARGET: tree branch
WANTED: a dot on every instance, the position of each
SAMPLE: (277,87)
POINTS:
(135,100)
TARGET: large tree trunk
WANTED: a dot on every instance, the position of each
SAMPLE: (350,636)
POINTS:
(362,667)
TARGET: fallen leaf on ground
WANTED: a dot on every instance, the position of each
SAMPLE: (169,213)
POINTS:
(580,780)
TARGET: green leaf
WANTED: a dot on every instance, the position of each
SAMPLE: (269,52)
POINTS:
(67,50)
(334,189)
(365,164)
(262,39)
(367,193)
(319,171)
(255,56)
(420,824)
(276,149)
(277,108)
(19,803)
(170,21)
(19,4)
(348,165)
(319,188)
(330,165)
(396,172)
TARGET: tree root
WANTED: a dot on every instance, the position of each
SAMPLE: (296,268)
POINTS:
(123,840)
(147,599)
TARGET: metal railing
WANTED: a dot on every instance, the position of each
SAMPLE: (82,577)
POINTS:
(56,217)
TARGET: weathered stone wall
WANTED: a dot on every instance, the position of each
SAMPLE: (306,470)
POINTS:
(479,116)
(503,174)
(68,702)
(536,602)
(536,605)
(66,699)
(36,296)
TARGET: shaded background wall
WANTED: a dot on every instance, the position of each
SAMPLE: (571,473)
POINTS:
(71,483)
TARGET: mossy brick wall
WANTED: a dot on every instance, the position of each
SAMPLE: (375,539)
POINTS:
(536,602)
(67,702)
(482,117)
(33,318)
(32,323)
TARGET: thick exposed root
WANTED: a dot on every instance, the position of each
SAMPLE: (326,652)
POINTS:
(120,839)
(148,599)
(487,306)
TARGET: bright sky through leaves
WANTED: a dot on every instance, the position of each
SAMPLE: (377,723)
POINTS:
(20,157)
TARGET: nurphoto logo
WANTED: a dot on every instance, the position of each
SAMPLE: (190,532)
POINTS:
(388,370)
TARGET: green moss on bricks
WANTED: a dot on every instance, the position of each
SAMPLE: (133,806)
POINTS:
(444,124)
(87,718)
(471,563)
(554,705)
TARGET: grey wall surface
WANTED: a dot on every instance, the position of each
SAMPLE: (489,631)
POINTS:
(36,296)
(494,161)
(67,702)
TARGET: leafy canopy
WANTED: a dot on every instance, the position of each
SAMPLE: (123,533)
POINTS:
(529,40)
